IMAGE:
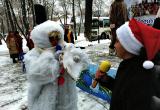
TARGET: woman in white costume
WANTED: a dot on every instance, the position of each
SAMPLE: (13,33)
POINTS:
(50,86)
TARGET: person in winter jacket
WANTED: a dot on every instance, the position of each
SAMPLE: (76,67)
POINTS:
(20,44)
(134,85)
(68,35)
(50,76)
(118,16)
(13,46)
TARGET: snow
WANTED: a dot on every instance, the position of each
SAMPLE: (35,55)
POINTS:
(13,82)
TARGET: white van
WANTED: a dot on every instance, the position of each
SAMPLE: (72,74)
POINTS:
(100,26)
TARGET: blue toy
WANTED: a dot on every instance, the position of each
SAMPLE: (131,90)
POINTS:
(86,79)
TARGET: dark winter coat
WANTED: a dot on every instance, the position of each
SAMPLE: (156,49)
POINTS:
(68,36)
(118,13)
(12,44)
(156,23)
(118,16)
(19,41)
(133,87)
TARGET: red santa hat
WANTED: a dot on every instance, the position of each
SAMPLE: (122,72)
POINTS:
(133,35)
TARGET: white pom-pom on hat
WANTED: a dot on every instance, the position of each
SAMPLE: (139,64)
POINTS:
(148,64)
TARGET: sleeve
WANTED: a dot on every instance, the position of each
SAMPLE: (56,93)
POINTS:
(107,82)
(43,70)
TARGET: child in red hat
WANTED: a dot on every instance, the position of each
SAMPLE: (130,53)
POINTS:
(134,87)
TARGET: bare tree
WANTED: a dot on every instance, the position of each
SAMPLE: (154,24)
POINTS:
(11,25)
(31,12)
(2,36)
(81,17)
(73,19)
(97,7)
(24,17)
(52,9)
(65,6)
(19,15)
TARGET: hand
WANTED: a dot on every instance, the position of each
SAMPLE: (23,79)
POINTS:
(58,54)
(99,74)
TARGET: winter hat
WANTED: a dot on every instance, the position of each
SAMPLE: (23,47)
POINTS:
(133,35)
(41,33)
(104,66)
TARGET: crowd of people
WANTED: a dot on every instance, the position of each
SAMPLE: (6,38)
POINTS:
(144,9)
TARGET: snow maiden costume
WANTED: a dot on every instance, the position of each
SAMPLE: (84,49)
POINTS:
(50,86)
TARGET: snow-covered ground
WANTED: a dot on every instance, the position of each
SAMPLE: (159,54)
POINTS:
(13,83)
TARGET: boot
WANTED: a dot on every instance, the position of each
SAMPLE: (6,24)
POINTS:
(14,60)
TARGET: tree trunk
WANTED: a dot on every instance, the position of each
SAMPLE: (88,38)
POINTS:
(88,19)
(2,30)
(24,17)
(53,3)
(15,20)
(9,15)
(74,21)
(7,20)
(81,18)
(31,4)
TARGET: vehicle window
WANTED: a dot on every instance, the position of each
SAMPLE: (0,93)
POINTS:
(106,22)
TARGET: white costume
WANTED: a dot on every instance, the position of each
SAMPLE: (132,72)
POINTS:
(43,71)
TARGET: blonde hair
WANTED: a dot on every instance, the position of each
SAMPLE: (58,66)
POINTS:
(55,35)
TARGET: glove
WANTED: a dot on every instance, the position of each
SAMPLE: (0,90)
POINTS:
(58,54)
(99,74)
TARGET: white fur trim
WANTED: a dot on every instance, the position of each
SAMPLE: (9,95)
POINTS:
(73,67)
(128,40)
(148,64)
(40,33)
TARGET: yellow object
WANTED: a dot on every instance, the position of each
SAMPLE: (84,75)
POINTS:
(105,66)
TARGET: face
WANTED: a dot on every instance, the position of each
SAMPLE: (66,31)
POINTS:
(120,51)
(53,41)
(54,38)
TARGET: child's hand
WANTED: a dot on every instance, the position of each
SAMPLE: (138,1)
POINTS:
(99,74)
(59,55)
